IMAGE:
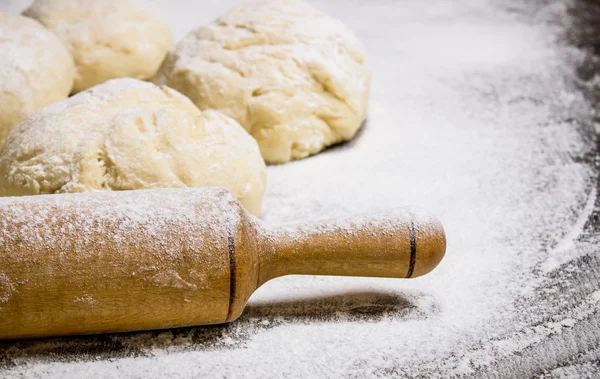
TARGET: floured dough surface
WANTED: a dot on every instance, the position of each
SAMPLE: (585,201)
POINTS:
(36,69)
(295,78)
(108,38)
(127,134)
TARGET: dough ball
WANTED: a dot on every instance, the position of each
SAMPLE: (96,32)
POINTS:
(36,69)
(108,38)
(127,134)
(293,77)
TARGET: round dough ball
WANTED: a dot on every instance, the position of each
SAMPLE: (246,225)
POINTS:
(36,69)
(108,38)
(295,78)
(127,134)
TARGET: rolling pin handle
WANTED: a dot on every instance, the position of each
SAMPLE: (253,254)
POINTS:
(404,244)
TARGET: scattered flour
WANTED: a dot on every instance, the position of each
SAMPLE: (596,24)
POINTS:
(86,300)
(473,117)
(170,278)
(7,288)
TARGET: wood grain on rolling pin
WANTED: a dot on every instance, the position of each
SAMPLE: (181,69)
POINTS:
(135,260)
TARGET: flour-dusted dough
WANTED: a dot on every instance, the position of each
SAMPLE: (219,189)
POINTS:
(36,69)
(295,78)
(127,134)
(108,38)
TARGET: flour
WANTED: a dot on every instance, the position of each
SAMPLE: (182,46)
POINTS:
(560,254)
(171,278)
(86,300)
(7,288)
(473,117)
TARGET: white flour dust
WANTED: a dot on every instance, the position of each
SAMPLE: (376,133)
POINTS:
(472,117)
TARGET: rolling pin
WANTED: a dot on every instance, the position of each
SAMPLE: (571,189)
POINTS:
(152,259)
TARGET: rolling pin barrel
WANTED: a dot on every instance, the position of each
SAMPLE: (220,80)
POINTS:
(152,259)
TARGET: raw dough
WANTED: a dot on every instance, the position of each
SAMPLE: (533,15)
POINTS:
(127,134)
(36,69)
(108,38)
(295,78)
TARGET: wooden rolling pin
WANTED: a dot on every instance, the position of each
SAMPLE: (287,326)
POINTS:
(135,260)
